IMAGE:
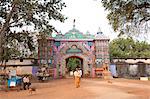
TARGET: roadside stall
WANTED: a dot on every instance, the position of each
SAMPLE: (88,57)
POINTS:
(9,80)
(12,71)
(15,83)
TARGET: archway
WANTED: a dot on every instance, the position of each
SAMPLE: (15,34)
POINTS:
(77,50)
(73,62)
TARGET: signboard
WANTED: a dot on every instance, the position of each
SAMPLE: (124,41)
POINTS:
(12,83)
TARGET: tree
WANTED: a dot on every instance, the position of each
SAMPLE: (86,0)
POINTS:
(128,16)
(73,63)
(128,48)
(20,13)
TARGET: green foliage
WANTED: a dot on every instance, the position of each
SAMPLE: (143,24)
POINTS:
(73,63)
(128,48)
(28,12)
(128,16)
(19,13)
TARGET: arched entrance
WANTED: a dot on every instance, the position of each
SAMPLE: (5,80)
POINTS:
(81,57)
(75,50)
(73,62)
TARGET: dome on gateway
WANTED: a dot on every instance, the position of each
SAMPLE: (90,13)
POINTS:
(74,34)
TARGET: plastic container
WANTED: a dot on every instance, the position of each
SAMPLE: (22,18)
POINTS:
(14,81)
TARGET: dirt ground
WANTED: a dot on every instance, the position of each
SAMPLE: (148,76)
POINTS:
(90,89)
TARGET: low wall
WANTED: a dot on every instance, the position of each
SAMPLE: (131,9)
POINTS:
(21,70)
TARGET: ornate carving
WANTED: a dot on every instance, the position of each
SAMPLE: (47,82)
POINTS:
(73,49)
(70,44)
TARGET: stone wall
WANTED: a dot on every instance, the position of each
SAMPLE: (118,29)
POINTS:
(132,70)
(148,70)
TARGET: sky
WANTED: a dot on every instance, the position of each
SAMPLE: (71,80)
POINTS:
(89,16)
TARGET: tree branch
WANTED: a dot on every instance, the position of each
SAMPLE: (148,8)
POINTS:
(9,16)
(145,5)
(144,19)
(16,20)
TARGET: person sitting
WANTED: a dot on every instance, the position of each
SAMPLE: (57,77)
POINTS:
(26,82)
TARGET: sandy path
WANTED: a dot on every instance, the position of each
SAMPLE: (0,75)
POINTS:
(90,89)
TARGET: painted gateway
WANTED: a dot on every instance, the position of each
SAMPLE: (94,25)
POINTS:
(92,50)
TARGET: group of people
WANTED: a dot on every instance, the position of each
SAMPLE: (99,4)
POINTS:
(77,77)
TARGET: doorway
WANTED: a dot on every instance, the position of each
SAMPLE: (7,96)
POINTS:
(72,63)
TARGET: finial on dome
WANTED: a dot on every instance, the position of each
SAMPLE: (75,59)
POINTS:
(87,32)
(60,32)
(74,23)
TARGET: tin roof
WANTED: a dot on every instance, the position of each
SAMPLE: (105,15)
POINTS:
(17,62)
(133,61)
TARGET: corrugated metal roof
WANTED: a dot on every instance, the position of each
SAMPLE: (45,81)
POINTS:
(17,62)
(133,61)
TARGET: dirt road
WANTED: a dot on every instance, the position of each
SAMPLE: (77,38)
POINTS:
(90,89)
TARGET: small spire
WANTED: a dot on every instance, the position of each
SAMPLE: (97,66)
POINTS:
(74,23)
(87,32)
(99,31)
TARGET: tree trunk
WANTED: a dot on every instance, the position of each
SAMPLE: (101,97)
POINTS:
(1,46)
(3,30)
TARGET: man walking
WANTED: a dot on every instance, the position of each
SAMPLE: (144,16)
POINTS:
(77,76)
